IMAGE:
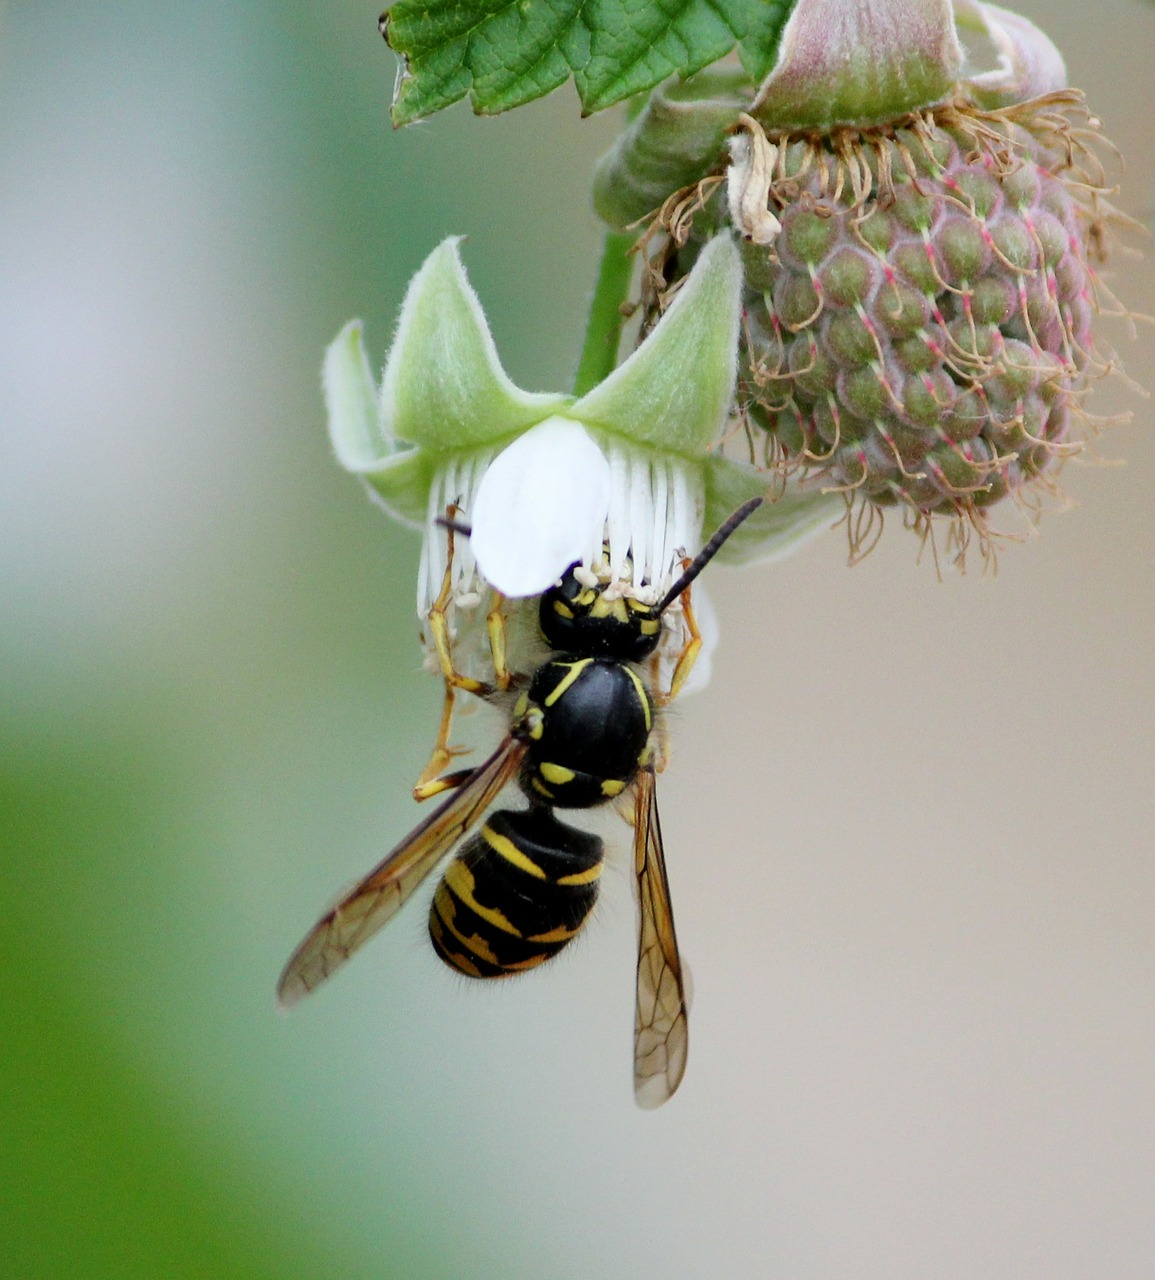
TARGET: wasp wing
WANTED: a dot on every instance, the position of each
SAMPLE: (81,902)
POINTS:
(374,901)
(661,1033)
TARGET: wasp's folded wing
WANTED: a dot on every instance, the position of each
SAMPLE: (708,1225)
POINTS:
(373,902)
(661,1034)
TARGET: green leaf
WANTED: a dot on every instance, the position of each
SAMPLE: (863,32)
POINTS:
(504,53)
(758,48)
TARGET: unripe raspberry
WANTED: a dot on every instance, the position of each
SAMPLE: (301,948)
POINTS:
(922,335)
(917,237)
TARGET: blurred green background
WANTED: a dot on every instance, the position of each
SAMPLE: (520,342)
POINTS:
(909,825)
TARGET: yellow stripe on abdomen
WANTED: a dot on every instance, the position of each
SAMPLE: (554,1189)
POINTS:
(504,846)
(460,880)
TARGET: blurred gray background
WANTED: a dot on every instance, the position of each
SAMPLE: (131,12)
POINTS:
(909,825)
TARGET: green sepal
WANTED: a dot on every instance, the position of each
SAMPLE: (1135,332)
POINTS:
(674,391)
(444,387)
(676,139)
(1027,63)
(351,401)
(860,63)
(402,482)
(778,527)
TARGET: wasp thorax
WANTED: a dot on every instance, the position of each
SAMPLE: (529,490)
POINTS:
(589,723)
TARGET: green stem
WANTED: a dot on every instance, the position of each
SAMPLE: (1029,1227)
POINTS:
(604,330)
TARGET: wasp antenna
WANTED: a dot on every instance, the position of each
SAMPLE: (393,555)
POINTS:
(456,525)
(710,550)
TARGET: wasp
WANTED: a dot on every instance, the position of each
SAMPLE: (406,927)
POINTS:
(523,884)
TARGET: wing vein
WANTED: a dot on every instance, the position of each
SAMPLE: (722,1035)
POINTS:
(373,902)
(661,1032)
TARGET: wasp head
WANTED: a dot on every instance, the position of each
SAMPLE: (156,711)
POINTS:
(596,622)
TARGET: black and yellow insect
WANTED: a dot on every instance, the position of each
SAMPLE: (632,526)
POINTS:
(520,887)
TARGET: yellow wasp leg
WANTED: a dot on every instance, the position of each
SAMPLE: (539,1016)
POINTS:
(432,782)
(439,630)
(495,623)
(689,654)
(429,783)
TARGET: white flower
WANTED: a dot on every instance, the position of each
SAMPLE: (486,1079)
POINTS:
(621,481)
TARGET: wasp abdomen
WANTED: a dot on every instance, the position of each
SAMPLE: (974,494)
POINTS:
(592,719)
(515,894)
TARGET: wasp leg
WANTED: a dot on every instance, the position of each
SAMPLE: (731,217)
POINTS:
(446,782)
(690,651)
(495,623)
(430,783)
(682,669)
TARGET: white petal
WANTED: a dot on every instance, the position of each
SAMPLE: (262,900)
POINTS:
(454,484)
(659,549)
(618,525)
(688,513)
(641,499)
(541,506)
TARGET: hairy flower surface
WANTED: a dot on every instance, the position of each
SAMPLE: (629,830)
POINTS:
(621,481)
(921,333)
